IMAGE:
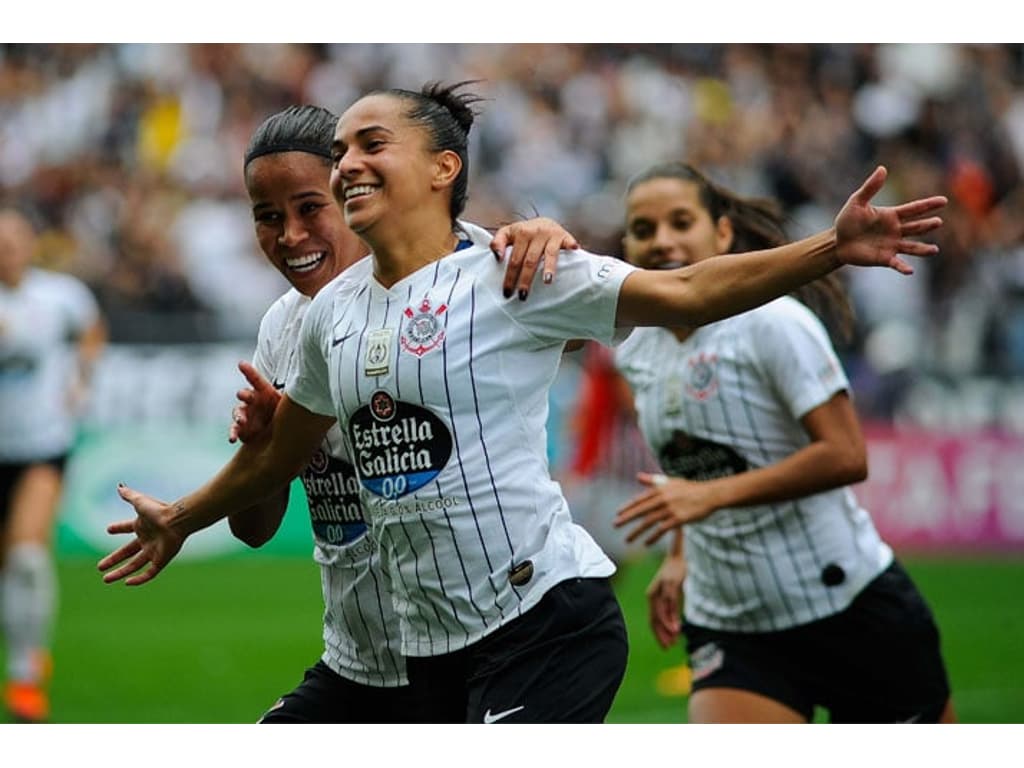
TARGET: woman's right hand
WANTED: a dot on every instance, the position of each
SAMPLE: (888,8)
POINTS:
(155,544)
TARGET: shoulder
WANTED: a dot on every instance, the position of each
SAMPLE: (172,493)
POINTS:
(351,281)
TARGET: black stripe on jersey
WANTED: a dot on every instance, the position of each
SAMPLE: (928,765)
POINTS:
(458,456)
(383,621)
(365,631)
(440,580)
(402,524)
(819,563)
(480,429)
(343,408)
(398,354)
(794,560)
(723,541)
(755,579)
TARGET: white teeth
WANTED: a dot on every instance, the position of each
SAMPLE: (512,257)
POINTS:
(359,189)
(305,262)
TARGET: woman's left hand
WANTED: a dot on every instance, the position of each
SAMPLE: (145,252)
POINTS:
(875,236)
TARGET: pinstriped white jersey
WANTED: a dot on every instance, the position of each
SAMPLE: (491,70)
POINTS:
(442,387)
(361,633)
(40,320)
(730,398)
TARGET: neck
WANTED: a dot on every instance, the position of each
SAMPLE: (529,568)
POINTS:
(400,251)
(682,334)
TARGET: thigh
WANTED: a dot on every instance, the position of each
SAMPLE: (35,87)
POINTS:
(747,677)
(324,696)
(886,663)
(32,496)
(560,662)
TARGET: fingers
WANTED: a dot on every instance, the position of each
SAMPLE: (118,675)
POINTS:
(138,562)
(920,227)
(522,266)
(870,187)
(119,555)
(647,522)
(915,248)
(254,377)
(923,207)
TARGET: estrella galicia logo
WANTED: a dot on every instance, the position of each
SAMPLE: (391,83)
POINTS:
(400,447)
(423,332)
(697,459)
(332,489)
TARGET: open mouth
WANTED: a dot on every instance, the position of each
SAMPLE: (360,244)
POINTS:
(358,190)
(307,262)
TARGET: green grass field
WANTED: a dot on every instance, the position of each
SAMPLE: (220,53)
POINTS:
(217,641)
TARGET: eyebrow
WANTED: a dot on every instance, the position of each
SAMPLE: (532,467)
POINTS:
(361,133)
(301,196)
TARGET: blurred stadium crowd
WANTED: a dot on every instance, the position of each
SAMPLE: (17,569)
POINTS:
(129,158)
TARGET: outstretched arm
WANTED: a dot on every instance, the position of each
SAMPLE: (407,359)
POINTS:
(252,474)
(836,456)
(533,243)
(863,235)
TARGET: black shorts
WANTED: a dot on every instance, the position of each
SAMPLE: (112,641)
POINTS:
(878,661)
(10,474)
(560,662)
(324,696)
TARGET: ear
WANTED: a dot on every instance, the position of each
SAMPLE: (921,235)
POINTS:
(447,166)
(723,234)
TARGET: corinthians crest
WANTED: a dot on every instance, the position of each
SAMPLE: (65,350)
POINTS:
(702,382)
(423,330)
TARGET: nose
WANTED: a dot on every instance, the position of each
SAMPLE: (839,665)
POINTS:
(662,241)
(293,232)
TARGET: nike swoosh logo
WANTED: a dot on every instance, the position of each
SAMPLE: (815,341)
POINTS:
(489,718)
(278,385)
(336,342)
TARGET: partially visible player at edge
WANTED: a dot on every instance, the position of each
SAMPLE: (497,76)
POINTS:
(442,386)
(792,600)
(51,334)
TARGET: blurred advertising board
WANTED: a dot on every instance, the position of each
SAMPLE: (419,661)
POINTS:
(945,491)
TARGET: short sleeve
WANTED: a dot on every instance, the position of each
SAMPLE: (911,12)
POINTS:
(793,348)
(309,385)
(581,302)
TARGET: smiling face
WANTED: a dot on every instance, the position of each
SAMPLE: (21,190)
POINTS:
(298,224)
(384,168)
(667,226)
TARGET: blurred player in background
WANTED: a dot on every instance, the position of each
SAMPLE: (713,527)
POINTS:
(792,600)
(51,333)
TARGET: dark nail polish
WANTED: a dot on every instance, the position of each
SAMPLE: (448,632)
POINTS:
(523,293)
(507,292)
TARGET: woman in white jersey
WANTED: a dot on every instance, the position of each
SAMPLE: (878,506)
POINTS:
(360,677)
(440,384)
(51,333)
(791,598)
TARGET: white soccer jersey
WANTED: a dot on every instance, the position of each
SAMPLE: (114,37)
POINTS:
(40,321)
(442,386)
(361,633)
(727,399)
